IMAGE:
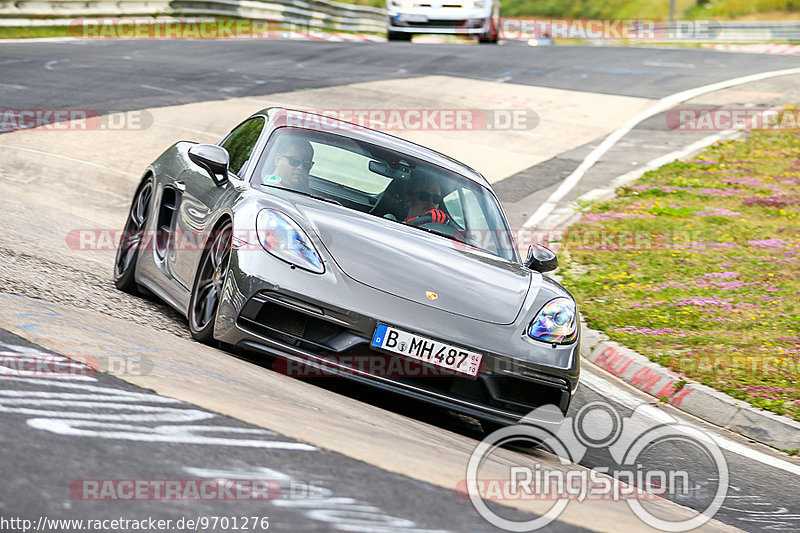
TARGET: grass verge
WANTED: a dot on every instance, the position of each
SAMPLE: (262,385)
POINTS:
(34,32)
(697,266)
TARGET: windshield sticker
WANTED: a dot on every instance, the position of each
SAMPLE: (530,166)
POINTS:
(272,179)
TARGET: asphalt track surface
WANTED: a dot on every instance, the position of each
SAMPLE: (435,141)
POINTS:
(307,489)
(125,75)
(109,76)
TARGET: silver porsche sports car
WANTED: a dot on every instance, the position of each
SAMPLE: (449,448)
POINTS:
(349,252)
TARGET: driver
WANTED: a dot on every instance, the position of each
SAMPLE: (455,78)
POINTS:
(422,199)
(293,161)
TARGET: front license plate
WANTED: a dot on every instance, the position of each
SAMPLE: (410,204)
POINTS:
(427,350)
(412,17)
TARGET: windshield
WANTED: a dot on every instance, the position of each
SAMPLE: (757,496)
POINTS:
(384,183)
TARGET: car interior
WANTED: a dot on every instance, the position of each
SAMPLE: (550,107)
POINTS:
(372,179)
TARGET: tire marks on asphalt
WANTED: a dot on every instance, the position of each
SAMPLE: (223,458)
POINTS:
(73,404)
(94,426)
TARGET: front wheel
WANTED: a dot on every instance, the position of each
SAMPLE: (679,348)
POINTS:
(131,240)
(207,288)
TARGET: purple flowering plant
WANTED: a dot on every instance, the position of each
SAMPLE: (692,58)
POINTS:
(697,266)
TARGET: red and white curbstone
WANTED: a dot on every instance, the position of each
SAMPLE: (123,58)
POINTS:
(694,398)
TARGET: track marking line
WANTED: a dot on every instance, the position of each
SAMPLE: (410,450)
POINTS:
(565,214)
(39,40)
(159,89)
(662,105)
(50,65)
(609,390)
(67,158)
(176,127)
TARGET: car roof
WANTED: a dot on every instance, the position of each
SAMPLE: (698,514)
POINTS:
(314,121)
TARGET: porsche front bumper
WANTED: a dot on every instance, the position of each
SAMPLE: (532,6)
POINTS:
(270,307)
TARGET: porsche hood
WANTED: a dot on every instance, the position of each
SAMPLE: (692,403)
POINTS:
(418,266)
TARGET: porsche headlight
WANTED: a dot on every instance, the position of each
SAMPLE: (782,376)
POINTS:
(556,322)
(283,238)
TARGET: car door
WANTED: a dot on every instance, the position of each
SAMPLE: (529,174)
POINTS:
(200,199)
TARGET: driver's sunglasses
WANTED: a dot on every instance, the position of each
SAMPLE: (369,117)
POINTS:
(426,196)
(296,162)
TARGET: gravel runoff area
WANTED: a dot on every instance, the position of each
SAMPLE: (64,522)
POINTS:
(52,281)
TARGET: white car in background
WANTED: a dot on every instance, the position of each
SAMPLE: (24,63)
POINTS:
(476,18)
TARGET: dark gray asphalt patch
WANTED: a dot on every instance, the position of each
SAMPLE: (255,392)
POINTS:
(322,490)
(757,498)
(128,75)
(541,175)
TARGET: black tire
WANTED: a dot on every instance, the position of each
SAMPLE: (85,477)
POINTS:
(491,427)
(491,35)
(208,284)
(131,240)
(399,36)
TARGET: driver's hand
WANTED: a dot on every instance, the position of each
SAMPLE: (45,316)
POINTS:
(434,215)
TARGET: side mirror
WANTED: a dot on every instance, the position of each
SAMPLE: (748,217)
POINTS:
(541,259)
(214,159)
